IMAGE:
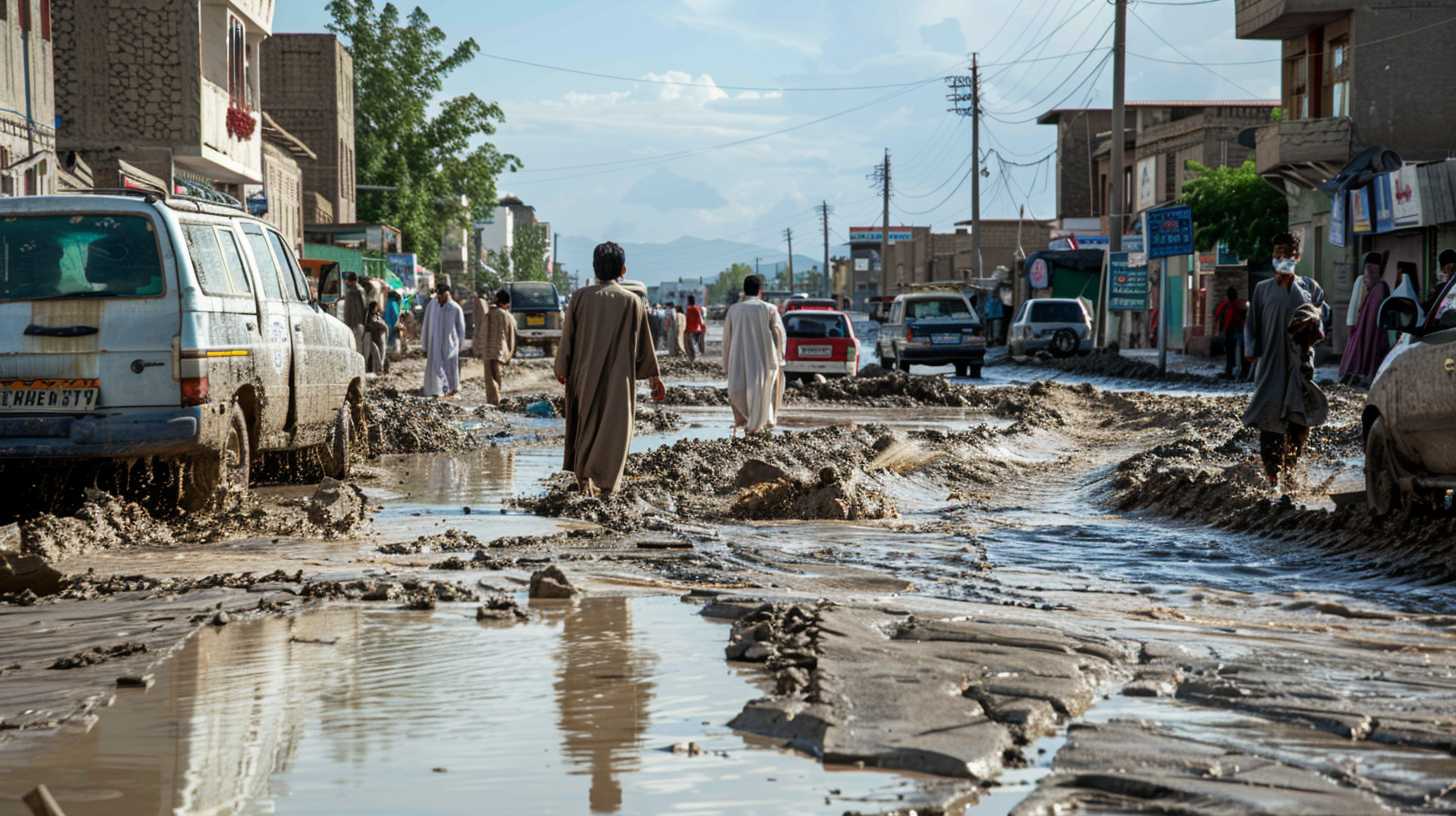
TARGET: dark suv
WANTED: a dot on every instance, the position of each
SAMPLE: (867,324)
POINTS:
(537,307)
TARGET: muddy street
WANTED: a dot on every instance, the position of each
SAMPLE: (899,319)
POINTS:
(1046,591)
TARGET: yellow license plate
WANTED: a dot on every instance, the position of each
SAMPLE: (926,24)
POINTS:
(535,320)
(58,395)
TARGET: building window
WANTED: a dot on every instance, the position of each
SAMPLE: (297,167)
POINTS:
(1340,76)
(1296,83)
(237,63)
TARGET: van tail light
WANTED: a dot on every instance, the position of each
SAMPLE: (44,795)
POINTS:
(194,390)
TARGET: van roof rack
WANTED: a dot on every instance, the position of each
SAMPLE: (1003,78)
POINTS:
(201,197)
(149,195)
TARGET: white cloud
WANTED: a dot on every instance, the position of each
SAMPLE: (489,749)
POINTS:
(685,87)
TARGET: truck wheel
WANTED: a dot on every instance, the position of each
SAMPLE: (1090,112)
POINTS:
(212,475)
(338,453)
(1382,492)
(1064,343)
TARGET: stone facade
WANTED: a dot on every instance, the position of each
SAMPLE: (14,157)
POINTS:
(1078,134)
(27,142)
(317,209)
(149,75)
(308,87)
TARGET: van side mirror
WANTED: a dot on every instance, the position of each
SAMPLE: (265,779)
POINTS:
(1400,314)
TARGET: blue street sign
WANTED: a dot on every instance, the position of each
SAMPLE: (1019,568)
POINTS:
(1169,231)
(1127,286)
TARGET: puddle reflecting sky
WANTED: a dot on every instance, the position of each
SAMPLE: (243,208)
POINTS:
(354,709)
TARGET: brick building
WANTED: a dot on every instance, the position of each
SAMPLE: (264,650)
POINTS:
(168,86)
(1079,132)
(27,138)
(308,88)
(1354,76)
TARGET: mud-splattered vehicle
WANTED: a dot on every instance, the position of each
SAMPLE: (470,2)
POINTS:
(1410,415)
(142,328)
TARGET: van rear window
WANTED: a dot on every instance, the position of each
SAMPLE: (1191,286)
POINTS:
(74,256)
(1056,312)
(811,326)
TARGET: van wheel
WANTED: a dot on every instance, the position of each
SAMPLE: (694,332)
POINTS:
(213,475)
(1064,343)
(337,455)
(962,369)
(903,365)
(1382,492)
(975,372)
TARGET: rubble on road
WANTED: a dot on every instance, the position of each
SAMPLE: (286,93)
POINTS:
(501,608)
(99,654)
(551,583)
(452,540)
(406,422)
(831,495)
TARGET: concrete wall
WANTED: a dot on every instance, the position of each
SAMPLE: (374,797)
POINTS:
(1400,89)
(308,88)
(1076,141)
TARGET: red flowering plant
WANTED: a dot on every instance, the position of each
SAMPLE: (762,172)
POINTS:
(240,123)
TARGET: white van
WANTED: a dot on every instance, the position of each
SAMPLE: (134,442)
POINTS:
(134,326)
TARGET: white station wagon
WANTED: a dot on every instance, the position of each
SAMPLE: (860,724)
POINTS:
(136,326)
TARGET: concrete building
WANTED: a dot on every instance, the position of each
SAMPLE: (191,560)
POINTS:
(495,237)
(1354,76)
(170,86)
(282,191)
(27,99)
(1079,132)
(308,88)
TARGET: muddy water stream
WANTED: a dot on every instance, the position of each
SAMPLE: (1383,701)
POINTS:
(397,712)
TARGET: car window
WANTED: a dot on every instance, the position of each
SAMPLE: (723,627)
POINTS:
(207,260)
(1021,313)
(1445,317)
(232,258)
(63,256)
(263,258)
(939,307)
(285,261)
(1055,312)
(542,296)
(803,325)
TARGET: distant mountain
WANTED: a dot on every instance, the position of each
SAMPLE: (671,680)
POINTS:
(686,257)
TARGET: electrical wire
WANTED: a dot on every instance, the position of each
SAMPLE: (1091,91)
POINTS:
(941,185)
(1039,105)
(1179,52)
(1101,66)
(948,197)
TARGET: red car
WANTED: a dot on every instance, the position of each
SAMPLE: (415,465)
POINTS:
(820,341)
(818,304)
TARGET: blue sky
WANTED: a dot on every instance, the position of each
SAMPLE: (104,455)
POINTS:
(594,148)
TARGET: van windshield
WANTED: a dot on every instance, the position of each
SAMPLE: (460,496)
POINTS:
(66,256)
(539,296)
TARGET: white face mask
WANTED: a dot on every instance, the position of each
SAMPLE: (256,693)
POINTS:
(1285,266)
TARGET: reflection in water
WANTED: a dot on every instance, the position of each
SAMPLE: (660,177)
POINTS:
(603,696)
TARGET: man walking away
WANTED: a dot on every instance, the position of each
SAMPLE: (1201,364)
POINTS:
(1283,326)
(376,330)
(352,311)
(679,325)
(697,329)
(393,304)
(495,340)
(606,346)
(669,329)
(1229,317)
(753,354)
(442,336)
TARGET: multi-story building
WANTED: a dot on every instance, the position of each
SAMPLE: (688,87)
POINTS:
(282,194)
(27,99)
(1354,76)
(308,88)
(1079,132)
(169,86)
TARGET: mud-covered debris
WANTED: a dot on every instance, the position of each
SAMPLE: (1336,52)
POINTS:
(785,637)
(454,562)
(419,601)
(452,540)
(221,618)
(99,654)
(102,522)
(552,584)
(371,590)
(337,506)
(830,497)
(404,422)
(141,681)
(757,471)
(500,608)
(24,576)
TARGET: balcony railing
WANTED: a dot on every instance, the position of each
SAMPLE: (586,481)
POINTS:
(1277,19)
(1323,145)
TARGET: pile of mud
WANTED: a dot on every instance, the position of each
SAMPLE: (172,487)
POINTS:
(650,417)
(518,403)
(403,422)
(1223,486)
(1113,365)
(703,368)
(831,495)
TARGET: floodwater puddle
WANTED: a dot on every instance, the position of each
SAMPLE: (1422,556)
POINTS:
(576,711)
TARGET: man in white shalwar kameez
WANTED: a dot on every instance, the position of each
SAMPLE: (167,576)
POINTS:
(753,357)
(442,336)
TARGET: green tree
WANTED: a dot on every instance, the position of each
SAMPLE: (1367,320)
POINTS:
(1235,205)
(729,284)
(560,278)
(431,161)
(528,252)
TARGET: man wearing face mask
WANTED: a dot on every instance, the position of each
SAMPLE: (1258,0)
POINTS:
(1282,328)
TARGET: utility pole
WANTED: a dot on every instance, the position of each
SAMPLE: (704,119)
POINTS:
(1115,213)
(965,99)
(755,267)
(827,286)
(880,176)
(789,236)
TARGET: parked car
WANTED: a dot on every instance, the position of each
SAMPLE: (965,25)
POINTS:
(801,302)
(538,312)
(1057,325)
(820,342)
(1409,421)
(142,327)
(932,328)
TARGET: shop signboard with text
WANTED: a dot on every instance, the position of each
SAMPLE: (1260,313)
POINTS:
(1405,189)
(1384,203)
(1361,218)
(1169,231)
(1127,283)
(865,234)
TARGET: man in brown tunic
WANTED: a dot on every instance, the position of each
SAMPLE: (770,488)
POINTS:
(495,341)
(606,346)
